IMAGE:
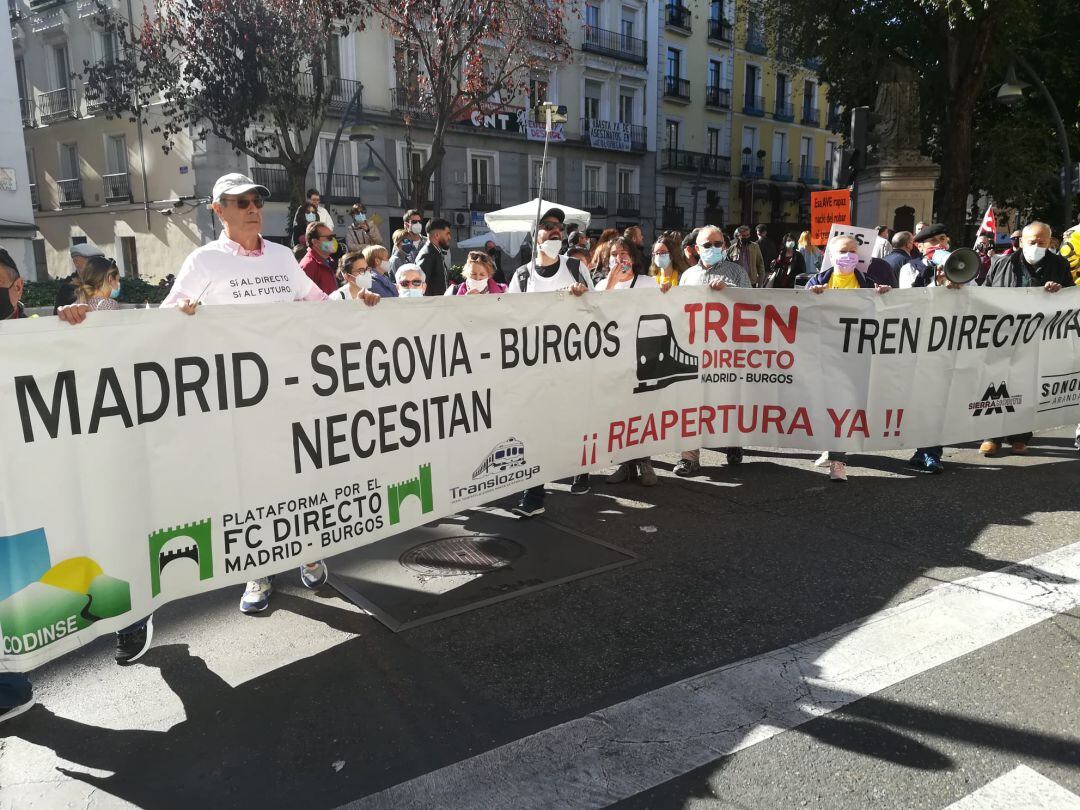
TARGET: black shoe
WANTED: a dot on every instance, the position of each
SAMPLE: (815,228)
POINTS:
(734,455)
(131,645)
(528,508)
(23,692)
(581,485)
(15,711)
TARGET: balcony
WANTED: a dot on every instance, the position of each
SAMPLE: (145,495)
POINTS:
(755,42)
(275,180)
(811,117)
(70,193)
(35,200)
(754,105)
(406,184)
(676,88)
(48,20)
(26,109)
(484,197)
(681,160)
(671,218)
(753,167)
(117,187)
(781,170)
(718,97)
(627,205)
(811,175)
(341,93)
(340,189)
(595,202)
(721,30)
(612,43)
(89,8)
(784,111)
(549,192)
(96,103)
(405,101)
(58,104)
(677,17)
(602,134)
(829,175)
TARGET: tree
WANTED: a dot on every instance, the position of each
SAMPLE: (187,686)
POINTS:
(251,72)
(958,49)
(454,57)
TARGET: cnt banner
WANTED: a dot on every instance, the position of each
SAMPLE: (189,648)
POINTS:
(148,455)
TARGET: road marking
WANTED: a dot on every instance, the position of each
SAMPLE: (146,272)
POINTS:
(1019,788)
(622,750)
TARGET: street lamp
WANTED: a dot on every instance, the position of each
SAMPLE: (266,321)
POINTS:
(359,132)
(1012,91)
(552,114)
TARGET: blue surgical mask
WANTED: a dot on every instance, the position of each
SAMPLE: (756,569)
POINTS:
(311,216)
(115,293)
(411,292)
(712,255)
(361,217)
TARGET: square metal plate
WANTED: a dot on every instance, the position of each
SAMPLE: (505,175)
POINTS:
(466,561)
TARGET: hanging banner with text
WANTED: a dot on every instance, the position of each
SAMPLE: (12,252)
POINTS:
(148,455)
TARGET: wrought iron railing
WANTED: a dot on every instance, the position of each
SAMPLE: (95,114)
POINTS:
(117,187)
(612,43)
(674,87)
(716,96)
(57,104)
(70,192)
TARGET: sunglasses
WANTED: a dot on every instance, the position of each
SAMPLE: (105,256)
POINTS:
(476,256)
(711,244)
(411,283)
(243,203)
(551,226)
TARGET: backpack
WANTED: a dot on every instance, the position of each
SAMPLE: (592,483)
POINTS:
(572,265)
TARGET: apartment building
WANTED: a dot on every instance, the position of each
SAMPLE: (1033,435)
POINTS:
(783,146)
(697,69)
(17,229)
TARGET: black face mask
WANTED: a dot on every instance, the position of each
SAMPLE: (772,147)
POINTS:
(7,309)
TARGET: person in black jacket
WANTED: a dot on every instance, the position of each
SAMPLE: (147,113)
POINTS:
(787,266)
(434,256)
(1033,265)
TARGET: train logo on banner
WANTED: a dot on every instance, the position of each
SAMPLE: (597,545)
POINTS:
(505,466)
(661,361)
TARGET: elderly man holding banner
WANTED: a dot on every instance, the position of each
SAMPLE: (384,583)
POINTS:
(241,267)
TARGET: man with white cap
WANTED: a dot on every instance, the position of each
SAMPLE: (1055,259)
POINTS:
(241,267)
(79,254)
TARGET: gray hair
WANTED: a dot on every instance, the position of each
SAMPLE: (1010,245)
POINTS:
(1040,226)
(410,267)
(902,238)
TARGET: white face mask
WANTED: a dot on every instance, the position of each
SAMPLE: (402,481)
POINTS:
(476,285)
(416,228)
(411,292)
(662,260)
(789,245)
(551,248)
(1033,253)
(362,280)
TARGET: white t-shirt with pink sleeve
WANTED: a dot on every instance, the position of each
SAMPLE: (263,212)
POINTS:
(223,273)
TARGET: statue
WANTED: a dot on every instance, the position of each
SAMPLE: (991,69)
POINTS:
(898,105)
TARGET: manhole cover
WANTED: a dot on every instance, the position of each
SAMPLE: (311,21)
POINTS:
(467,554)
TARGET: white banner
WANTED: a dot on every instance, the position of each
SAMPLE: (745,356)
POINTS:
(609,135)
(148,455)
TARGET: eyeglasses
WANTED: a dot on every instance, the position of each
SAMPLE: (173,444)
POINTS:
(477,256)
(551,226)
(711,244)
(244,202)
(415,282)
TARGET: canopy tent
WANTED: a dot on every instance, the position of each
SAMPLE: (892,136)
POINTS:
(509,241)
(522,217)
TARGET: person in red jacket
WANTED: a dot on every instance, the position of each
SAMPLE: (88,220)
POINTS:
(317,262)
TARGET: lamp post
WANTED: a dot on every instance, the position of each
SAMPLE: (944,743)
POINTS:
(359,133)
(1012,91)
(553,114)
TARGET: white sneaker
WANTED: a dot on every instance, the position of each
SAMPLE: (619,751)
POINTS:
(256,596)
(822,460)
(837,471)
(313,575)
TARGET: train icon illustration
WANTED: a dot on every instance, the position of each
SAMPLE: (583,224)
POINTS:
(505,456)
(661,361)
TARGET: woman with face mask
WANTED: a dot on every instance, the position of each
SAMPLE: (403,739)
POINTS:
(356,280)
(382,280)
(667,263)
(843,252)
(787,266)
(361,231)
(305,215)
(98,285)
(478,276)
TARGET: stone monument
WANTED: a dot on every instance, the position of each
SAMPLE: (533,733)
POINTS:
(897,188)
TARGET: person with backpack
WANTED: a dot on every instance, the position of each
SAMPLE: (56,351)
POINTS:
(550,271)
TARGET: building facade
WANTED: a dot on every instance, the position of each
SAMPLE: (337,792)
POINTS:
(17,229)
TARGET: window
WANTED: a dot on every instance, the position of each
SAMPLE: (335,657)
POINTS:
(409,165)
(107,47)
(712,141)
(674,63)
(783,88)
(627,23)
(481,172)
(831,162)
(809,98)
(333,55)
(671,196)
(715,73)
(753,86)
(69,161)
(627,181)
(755,25)
(626,105)
(780,153)
(343,164)
(672,128)
(593,92)
(716,10)
(116,155)
(60,67)
(407,70)
(129,257)
(592,16)
(592,178)
(538,90)
(535,165)
(20,81)
(806,156)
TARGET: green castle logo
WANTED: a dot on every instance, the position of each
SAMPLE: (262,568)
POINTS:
(41,602)
(192,543)
(420,487)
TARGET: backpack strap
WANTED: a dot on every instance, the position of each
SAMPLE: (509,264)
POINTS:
(574,266)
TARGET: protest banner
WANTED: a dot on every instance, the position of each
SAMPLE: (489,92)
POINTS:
(149,455)
(827,207)
(865,238)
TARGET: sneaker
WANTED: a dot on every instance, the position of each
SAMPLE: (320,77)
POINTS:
(625,472)
(15,711)
(581,485)
(648,474)
(837,471)
(24,693)
(932,464)
(313,575)
(686,467)
(132,643)
(256,596)
(989,447)
(528,508)
(734,455)
(917,462)
(822,460)
(1018,448)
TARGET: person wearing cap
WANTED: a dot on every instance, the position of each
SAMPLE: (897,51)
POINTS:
(919,271)
(66,295)
(550,270)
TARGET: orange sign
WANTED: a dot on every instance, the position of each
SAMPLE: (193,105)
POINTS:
(827,207)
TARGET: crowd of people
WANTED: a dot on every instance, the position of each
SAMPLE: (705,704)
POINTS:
(565,258)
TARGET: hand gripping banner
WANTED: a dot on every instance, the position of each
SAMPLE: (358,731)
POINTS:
(148,455)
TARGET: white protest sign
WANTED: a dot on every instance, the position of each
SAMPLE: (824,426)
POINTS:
(864,238)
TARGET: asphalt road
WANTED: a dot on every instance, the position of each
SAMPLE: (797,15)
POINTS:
(316,704)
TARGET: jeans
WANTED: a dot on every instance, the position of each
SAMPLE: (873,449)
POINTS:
(15,690)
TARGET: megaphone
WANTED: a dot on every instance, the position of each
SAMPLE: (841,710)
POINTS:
(962,265)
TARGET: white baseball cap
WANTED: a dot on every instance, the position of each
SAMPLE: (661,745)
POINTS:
(86,250)
(237,183)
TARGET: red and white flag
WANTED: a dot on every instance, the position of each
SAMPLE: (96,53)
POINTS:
(988,224)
